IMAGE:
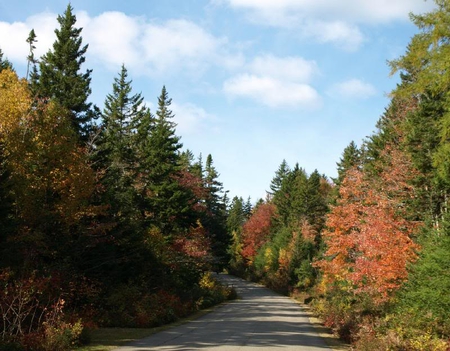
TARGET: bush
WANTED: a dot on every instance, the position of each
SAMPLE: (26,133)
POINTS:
(213,292)
(32,315)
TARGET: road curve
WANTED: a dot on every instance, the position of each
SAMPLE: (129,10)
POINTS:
(260,320)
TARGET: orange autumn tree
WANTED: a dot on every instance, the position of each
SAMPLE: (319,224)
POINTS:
(256,231)
(368,235)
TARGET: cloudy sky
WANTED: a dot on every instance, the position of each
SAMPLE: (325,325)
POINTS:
(253,82)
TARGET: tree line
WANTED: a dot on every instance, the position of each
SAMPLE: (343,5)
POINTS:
(104,219)
(370,249)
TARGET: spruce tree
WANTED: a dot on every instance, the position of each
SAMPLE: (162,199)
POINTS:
(32,61)
(60,77)
(168,202)
(351,157)
(116,148)
(4,62)
(280,174)
(215,221)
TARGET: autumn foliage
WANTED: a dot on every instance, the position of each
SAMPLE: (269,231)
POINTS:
(369,240)
(256,230)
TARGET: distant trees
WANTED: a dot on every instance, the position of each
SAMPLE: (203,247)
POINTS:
(281,237)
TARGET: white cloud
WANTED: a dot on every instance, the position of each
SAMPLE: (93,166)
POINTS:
(114,38)
(276,82)
(284,68)
(272,92)
(190,118)
(344,35)
(328,21)
(355,11)
(353,88)
(14,36)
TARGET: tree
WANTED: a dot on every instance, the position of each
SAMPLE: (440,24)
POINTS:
(277,181)
(168,202)
(215,221)
(351,157)
(117,147)
(4,62)
(369,241)
(256,231)
(50,179)
(32,61)
(60,77)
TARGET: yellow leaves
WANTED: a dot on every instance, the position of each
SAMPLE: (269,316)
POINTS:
(49,171)
(15,102)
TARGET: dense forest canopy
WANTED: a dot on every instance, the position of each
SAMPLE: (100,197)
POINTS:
(105,220)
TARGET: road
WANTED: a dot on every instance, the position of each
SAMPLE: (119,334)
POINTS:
(259,320)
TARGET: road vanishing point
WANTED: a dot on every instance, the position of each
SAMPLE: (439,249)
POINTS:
(259,320)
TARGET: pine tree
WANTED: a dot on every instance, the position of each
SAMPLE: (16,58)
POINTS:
(116,148)
(280,175)
(168,201)
(60,77)
(351,157)
(215,221)
(4,62)
(32,61)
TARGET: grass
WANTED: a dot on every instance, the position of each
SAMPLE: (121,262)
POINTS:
(106,339)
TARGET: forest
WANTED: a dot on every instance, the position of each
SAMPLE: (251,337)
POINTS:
(105,220)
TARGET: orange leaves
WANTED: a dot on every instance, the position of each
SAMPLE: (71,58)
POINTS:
(257,229)
(368,236)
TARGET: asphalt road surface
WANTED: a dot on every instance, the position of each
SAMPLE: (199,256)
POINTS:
(259,320)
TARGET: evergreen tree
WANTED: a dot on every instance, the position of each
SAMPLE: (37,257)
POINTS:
(351,157)
(4,62)
(60,76)
(235,220)
(280,175)
(236,215)
(32,61)
(168,201)
(215,222)
(116,150)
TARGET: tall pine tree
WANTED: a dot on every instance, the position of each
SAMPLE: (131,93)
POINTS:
(168,201)
(60,77)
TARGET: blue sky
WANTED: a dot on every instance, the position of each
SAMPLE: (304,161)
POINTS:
(253,82)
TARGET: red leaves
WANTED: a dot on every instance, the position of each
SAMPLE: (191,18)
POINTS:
(257,229)
(194,244)
(368,236)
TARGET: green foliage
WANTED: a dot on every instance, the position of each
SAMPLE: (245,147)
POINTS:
(60,78)
(123,225)
(427,287)
(4,62)
(351,157)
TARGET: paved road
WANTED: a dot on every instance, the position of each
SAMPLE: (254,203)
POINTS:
(260,320)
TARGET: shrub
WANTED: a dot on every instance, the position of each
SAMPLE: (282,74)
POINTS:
(32,316)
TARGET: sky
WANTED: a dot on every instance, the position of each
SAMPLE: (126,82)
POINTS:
(252,82)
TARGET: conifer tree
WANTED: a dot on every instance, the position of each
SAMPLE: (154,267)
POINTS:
(32,61)
(116,150)
(60,77)
(280,175)
(168,201)
(216,212)
(351,157)
(4,62)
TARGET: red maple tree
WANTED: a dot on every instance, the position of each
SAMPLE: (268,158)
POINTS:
(368,234)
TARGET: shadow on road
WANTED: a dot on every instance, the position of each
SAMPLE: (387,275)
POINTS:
(260,319)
